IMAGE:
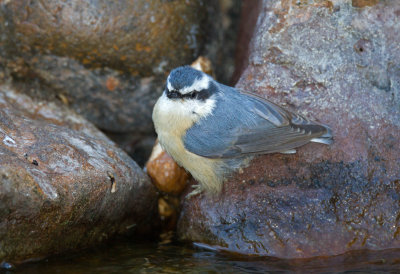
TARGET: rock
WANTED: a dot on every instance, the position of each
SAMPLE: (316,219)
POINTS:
(168,208)
(138,146)
(165,173)
(203,64)
(222,51)
(63,184)
(337,63)
(108,59)
(114,101)
(143,37)
(248,19)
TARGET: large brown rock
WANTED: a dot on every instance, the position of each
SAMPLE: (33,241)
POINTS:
(140,36)
(336,62)
(63,184)
(108,59)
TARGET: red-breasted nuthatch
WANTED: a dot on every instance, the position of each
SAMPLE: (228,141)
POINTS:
(212,130)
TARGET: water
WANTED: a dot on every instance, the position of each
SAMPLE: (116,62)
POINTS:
(128,257)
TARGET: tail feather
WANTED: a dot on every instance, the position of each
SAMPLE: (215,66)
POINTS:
(326,139)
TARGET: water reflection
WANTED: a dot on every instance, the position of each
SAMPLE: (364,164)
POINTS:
(126,257)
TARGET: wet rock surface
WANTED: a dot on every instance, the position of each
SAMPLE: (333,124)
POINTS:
(63,184)
(335,62)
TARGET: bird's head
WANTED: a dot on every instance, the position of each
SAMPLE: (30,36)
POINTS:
(190,93)
(189,83)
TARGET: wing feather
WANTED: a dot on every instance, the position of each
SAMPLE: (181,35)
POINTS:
(258,126)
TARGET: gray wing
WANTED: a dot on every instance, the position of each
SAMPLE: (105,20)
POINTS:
(246,124)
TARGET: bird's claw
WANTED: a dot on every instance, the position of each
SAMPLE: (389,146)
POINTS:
(197,189)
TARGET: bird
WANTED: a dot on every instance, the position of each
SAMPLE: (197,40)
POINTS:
(213,130)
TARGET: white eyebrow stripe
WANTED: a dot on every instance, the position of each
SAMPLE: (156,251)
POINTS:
(198,84)
(169,86)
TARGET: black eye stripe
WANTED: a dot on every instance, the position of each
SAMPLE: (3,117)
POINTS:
(204,94)
(173,94)
(196,94)
(192,94)
(199,95)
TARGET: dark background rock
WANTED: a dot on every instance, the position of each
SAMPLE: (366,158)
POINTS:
(248,18)
(63,184)
(113,101)
(221,52)
(337,63)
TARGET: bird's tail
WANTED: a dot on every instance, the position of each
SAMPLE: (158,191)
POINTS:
(326,139)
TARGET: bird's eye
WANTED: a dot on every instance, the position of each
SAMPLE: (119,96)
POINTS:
(192,95)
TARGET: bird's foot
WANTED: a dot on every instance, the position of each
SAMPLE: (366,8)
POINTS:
(197,189)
